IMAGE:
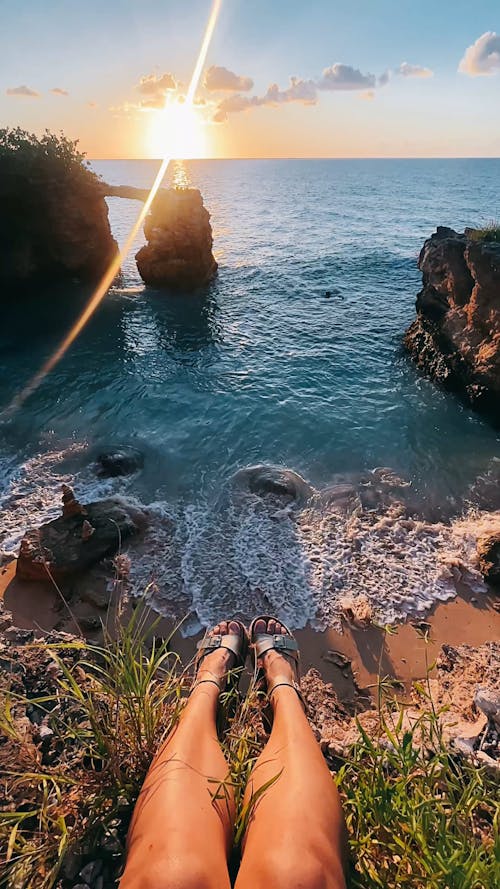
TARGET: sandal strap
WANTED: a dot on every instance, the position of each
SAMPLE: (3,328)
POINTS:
(201,681)
(283,681)
(287,645)
(234,642)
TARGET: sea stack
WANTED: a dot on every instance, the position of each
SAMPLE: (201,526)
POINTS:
(455,338)
(178,255)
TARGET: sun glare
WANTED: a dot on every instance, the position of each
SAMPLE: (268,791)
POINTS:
(178,132)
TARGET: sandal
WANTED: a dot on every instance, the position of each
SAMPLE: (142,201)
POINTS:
(285,644)
(236,643)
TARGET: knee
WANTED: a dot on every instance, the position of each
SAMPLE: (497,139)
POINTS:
(169,874)
(300,871)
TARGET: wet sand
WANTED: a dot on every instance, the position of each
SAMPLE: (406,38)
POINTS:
(351,661)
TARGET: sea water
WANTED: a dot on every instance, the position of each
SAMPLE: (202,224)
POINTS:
(265,368)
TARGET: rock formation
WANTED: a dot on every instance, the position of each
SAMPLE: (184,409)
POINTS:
(455,338)
(178,254)
(51,227)
(81,537)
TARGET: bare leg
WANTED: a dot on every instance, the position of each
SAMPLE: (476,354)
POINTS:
(180,837)
(296,835)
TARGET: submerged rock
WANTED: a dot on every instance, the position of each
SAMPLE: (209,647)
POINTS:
(455,338)
(76,540)
(178,254)
(124,461)
(264,480)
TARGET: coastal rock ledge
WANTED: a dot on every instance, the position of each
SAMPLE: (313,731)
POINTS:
(455,338)
(178,254)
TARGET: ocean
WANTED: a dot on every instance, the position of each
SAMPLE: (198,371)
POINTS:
(264,369)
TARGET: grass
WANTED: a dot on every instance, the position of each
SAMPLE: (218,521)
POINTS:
(417,816)
(490,233)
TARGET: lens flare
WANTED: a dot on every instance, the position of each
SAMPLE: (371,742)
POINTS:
(115,265)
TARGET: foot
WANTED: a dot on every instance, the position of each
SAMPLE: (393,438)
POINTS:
(275,664)
(216,665)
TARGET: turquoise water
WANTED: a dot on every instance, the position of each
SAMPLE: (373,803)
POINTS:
(262,368)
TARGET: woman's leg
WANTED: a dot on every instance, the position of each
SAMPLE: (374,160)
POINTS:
(296,835)
(180,837)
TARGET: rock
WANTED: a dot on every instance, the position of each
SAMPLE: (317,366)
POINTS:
(178,254)
(488,550)
(91,870)
(111,464)
(60,548)
(44,732)
(488,701)
(456,337)
(283,483)
(53,216)
(71,506)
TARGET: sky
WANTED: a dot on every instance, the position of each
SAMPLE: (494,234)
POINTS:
(283,78)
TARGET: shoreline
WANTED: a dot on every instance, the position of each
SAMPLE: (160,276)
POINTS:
(351,661)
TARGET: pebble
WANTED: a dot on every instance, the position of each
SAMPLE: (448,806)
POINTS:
(91,871)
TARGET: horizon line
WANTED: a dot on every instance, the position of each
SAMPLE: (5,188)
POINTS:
(388,157)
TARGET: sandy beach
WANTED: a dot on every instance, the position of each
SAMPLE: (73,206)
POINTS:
(351,660)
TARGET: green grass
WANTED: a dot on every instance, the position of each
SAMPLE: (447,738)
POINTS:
(490,233)
(417,816)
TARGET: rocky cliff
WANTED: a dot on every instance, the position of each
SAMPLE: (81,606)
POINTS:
(53,215)
(455,338)
(178,254)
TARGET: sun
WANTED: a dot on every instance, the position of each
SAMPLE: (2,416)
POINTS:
(177,132)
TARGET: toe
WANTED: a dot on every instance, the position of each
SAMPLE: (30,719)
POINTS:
(215,631)
(234,627)
(260,626)
(223,628)
(272,626)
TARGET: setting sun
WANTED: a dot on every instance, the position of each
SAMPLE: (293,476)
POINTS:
(178,132)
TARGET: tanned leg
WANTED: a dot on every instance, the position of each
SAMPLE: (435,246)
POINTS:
(180,837)
(296,835)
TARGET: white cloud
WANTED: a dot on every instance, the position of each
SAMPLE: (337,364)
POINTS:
(154,87)
(385,77)
(344,77)
(407,70)
(220,78)
(483,57)
(22,91)
(59,92)
(303,91)
(367,95)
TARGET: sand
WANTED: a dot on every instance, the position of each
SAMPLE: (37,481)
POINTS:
(351,661)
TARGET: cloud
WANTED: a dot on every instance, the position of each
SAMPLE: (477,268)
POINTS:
(219,78)
(154,87)
(483,57)
(92,104)
(344,77)
(406,70)
(367,95)
(22,91)
(303,91)
(385,77)
(59,92)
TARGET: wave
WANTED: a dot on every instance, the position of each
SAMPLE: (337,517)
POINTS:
(269,542)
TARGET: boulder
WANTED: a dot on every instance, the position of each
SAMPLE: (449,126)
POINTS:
(455,338)
(488,550)
(178,254)
(123,461)
(79,538)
